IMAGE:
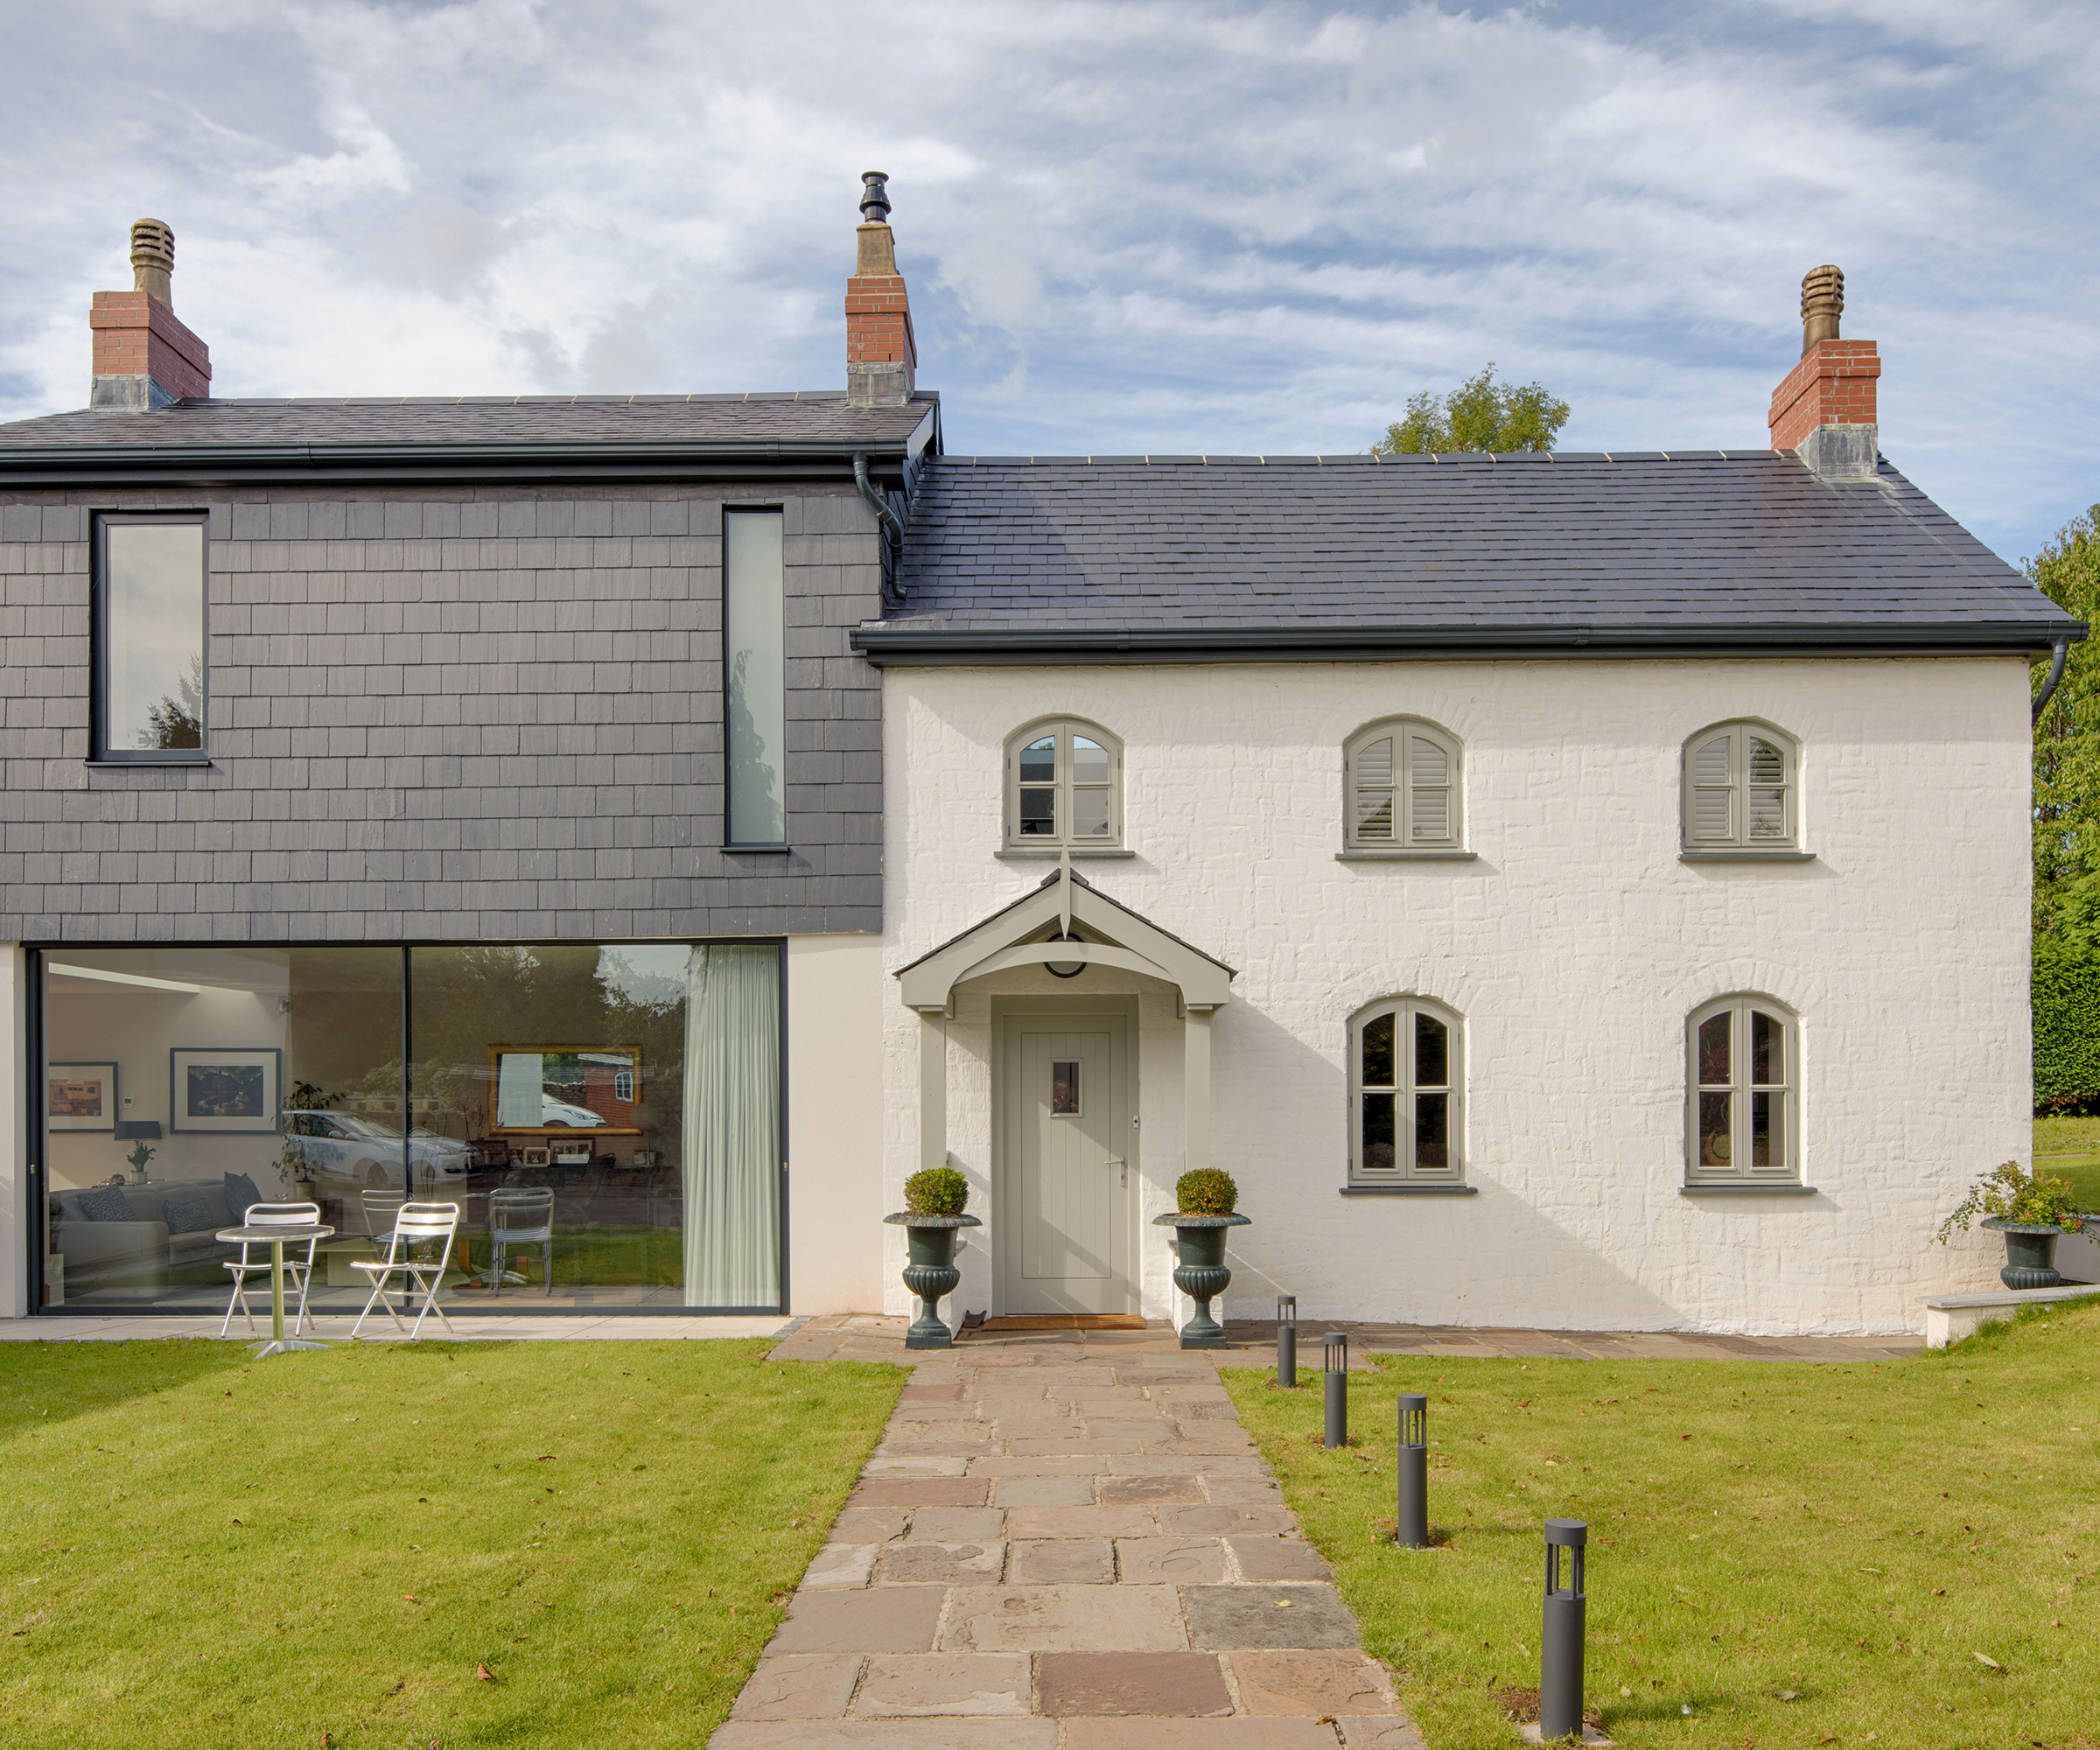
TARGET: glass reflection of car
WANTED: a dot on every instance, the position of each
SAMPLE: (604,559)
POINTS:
(554,1111)
(342,1150)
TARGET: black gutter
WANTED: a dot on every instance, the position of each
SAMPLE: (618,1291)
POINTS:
(187,464)
(926,646)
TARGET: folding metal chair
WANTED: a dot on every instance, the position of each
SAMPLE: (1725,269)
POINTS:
(299,1270)
(416,1224)
(521,1215)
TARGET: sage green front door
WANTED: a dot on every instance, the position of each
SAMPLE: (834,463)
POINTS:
(1065,1098)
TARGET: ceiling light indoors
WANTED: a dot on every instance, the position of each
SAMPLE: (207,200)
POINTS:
(108,977)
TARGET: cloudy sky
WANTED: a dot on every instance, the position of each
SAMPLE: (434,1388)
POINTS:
(1127,227)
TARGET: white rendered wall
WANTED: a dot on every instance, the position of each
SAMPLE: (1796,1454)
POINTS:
(1573,947)
(836,989)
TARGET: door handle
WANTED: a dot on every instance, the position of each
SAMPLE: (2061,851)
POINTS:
(1119,1160)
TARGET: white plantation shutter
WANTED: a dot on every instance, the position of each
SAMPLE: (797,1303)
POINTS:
(1713,792)
(1373,804)
(1738,789)
(1428,792)
(1403,788)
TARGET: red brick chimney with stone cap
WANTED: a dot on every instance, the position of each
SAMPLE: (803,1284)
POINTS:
(144,357)
(882,358)
(1835,384)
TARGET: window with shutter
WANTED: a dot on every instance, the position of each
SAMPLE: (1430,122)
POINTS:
(1064,787)
(1742,1087)
(1404,1095)
(1402,783)
(1739,789)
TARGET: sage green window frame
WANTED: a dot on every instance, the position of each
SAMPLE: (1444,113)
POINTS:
(1407,1090)
(1750,771)
(1403,788)
(1755,1096)
(1072,784)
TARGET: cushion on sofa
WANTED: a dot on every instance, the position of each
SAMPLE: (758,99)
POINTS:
(240,1193)
(106,1203)
(189,1215)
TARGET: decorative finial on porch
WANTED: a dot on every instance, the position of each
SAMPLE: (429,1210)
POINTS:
(1064,891)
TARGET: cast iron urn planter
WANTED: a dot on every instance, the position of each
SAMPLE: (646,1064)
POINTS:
(2030,1252)
(1201,1273)
(931,1273)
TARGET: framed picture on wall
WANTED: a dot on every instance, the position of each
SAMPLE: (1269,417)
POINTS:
(223,1093)
(79,1097)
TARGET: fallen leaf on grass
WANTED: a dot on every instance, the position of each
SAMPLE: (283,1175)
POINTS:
(484,1673)
(1985,1659)
(544,1455)
(407,1598)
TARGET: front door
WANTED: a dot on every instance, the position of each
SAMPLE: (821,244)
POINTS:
(1065,1100)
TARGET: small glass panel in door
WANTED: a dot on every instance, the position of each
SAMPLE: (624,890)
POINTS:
(1064,1087)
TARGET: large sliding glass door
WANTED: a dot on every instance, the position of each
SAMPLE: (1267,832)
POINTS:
(607,1115)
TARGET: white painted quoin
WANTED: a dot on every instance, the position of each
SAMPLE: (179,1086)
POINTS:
(1571,946)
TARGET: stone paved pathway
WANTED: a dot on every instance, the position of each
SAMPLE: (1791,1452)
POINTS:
(1063,1542)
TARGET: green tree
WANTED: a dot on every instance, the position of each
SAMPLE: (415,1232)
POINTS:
(1480,414)
(2067,749)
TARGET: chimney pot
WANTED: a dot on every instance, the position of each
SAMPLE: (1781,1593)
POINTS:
(882,356)
(1822,304)
(874,196)
(153,259)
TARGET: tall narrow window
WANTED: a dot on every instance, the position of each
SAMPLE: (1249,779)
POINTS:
(150,684)
(1402,778)
(1405,1095)
(1064,786)
(755,657)
(1743,1082)
(1739,789)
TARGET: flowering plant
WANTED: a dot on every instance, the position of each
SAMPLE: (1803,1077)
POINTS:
(2011,1193)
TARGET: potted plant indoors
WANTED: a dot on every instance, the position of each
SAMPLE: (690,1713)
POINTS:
(933,1200)
(1204,1207)
(2030,1211)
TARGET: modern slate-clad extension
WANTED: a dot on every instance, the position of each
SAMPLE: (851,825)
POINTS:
(1578,890)
(442,798)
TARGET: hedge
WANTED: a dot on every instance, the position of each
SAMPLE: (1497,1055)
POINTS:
(2067,1028)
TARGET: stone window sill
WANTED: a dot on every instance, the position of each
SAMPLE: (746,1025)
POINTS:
(146,765)
(759,850)
(1078,856)
(1747,1191)
(1406,855)
(1410,1191)
(1746,855)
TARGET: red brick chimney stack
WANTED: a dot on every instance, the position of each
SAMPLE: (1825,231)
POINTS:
(882,358)
(1833,386)
(144,357)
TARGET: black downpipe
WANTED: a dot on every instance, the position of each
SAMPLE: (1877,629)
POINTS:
(2058,658)
(893,530)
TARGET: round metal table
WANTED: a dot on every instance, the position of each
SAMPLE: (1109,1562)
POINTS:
(277,1239)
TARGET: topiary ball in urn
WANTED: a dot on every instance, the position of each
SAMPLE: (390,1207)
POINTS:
(933,1200)
(1207,1203)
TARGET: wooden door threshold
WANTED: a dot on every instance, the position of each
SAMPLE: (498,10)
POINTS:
(1065,1322)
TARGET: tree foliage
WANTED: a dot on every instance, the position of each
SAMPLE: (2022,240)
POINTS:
(2067,750)
(1480,414)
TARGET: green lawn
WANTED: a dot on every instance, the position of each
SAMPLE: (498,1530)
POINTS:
(1847,1537)
(2069,1148)
(198,1549)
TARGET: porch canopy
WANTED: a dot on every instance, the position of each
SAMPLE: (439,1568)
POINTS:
(1066,919)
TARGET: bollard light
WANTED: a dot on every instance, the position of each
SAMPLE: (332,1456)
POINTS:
(1286,1341)
(1335,1352)
(1560,1634)
(1414,1471)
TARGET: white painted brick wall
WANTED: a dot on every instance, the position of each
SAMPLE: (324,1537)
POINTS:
(1574,947)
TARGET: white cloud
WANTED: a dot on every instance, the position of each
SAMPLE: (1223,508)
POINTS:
(1152,225)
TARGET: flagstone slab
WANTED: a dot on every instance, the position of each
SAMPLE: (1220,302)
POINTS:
(1323,1684)
(955,1525)
(1187,1685)
(888,1735)
(1151,1488)
(914,1564)
(842,1565)
(1278,1559)
(921,1492)
(1171,1561)
(1026,1523)
(875,1619)
(1226,1521)
(799,1686)
(921,1685)
(1393,1731)
(870,1524)
(1043,1491)
(1241,1733)
(1226,1617)
(1061,1619)
(1045,1466)
(1061,1561)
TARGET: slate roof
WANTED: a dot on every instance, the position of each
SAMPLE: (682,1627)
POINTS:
(1152,557)
(804,417)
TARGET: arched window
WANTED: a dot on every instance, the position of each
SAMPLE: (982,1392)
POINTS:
(1739,789)
(1405,1092)
(1742,1092)
(1064,786)
(1402,778)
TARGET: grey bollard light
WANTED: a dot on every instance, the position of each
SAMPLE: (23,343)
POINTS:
(1560,1636)
(1414,1471)
(1286,1341)
(1335,1354)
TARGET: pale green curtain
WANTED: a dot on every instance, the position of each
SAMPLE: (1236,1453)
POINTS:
(732,1126)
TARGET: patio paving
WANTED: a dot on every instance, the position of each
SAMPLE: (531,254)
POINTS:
(1064,1542)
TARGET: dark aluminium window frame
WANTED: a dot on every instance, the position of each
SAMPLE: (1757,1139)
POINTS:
(35,1136)
(99,751)
(730,841)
